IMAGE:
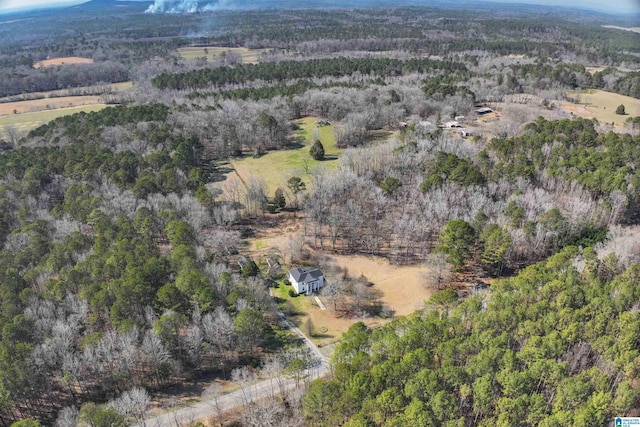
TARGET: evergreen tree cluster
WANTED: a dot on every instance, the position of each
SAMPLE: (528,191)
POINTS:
(554,346)
(287,70)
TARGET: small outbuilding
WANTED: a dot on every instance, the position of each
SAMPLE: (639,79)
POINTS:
(484,110)
(465,132)
(306,280)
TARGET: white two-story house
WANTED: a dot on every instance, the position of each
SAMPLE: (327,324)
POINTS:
(306,280)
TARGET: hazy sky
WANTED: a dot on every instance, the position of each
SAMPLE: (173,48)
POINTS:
(610,6)
(26,4)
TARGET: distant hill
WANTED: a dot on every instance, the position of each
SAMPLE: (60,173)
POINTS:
(101,5)
(212,5)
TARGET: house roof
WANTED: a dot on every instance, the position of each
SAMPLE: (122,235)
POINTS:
(484,110)
(304,274)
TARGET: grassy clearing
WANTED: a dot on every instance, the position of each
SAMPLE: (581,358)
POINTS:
(28,121)
(602,105)
(31,113)
(327,328)
(62,61)
(402,287)
(71,92)
(249,56)
(34,105)
(276,167)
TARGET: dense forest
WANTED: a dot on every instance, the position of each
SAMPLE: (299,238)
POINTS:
(114,270)
(121,268)
(555,346)
(287,70)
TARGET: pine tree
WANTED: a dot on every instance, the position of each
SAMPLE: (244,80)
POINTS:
(317,150)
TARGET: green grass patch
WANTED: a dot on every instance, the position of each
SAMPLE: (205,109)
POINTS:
(28,121)
(276,167)
(282,295)
(602,105)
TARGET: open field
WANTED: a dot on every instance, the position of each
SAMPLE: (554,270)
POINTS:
(62,61)
(27,121)
(71,92)
(602,106)
(276,167)
(593,70)
(615,27)
(46,106)
(34,105)
(249,56)
(402,287)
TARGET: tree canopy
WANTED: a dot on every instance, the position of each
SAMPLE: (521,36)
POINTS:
(552,346)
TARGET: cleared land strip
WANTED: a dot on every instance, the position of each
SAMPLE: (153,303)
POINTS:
(27,121)
(50,104)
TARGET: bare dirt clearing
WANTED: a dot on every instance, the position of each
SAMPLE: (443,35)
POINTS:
(69,60)
(403,287)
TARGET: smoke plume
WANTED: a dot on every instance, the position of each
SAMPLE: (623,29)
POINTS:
(186,6)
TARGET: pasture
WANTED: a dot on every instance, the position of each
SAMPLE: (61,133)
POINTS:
(34,105)
(276,167)
(69,60)
(109,88)
(31,110)
(28,121)
(602,106)
(249,56)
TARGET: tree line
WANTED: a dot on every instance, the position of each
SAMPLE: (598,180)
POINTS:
(286,70)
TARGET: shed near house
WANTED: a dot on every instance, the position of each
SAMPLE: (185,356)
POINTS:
(306,280)
(465,132)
